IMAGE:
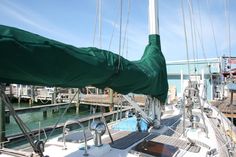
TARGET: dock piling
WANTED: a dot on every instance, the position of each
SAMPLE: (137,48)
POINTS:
(45,114)
(19,94)
(77,108)
(2,122)
(32,96)
(111,100)
(7,118)
(78,102)
(54,96)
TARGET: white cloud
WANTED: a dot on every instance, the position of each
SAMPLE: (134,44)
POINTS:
(34,22)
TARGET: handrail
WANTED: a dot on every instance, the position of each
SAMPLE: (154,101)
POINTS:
(85,138)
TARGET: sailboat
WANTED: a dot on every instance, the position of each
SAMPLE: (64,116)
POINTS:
(191,128)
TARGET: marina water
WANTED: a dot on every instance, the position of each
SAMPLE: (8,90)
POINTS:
(36,120)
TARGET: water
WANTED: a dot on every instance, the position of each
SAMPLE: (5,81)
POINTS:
(33,120)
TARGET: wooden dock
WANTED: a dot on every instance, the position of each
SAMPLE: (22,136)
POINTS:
(90,99)
(227,106)
(48,107)
(40,108)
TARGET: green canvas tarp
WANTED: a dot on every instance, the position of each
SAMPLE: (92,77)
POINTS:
(27,58)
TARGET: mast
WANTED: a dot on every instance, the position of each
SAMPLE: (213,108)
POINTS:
(154,104)
(153,17)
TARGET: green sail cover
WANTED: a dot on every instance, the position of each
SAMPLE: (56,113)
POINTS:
(28,58)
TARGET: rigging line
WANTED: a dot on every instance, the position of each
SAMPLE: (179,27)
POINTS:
(229,32)
(194,29)
(227,17)
(191,28)
(20,123)
(112,34)
(100,22)
(9,103)
(195,36)
(185,35)
(17,118)
(199,43)
(96,21)
(126,26)
(120,34)
(113,31)
(202,45)
(202,108)
(62,115)
(212,28)
(227,139)
(127,47)
(43,101)
(213,33)
(200,34)
(223,122)
(192,33)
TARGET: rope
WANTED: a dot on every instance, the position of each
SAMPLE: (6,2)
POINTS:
(100,23)
(170,127)
(194,30)
(185,35)
(90,112)
(95,28)
(121,106)
(192,33)
(213,33)
(212,28)
(25,130)
(113,30)
(43,101)
(202,109)
(108,130)
(126,25)
(227,140)
(227,17)
(94,109)
(127,48)
(222,122)
(98,20)
(121,7)
(200,34)
(195,38)
(62,115)
(118,108)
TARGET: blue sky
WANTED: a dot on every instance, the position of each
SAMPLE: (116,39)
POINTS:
(73,22)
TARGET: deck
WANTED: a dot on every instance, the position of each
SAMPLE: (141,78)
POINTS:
(227,106)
